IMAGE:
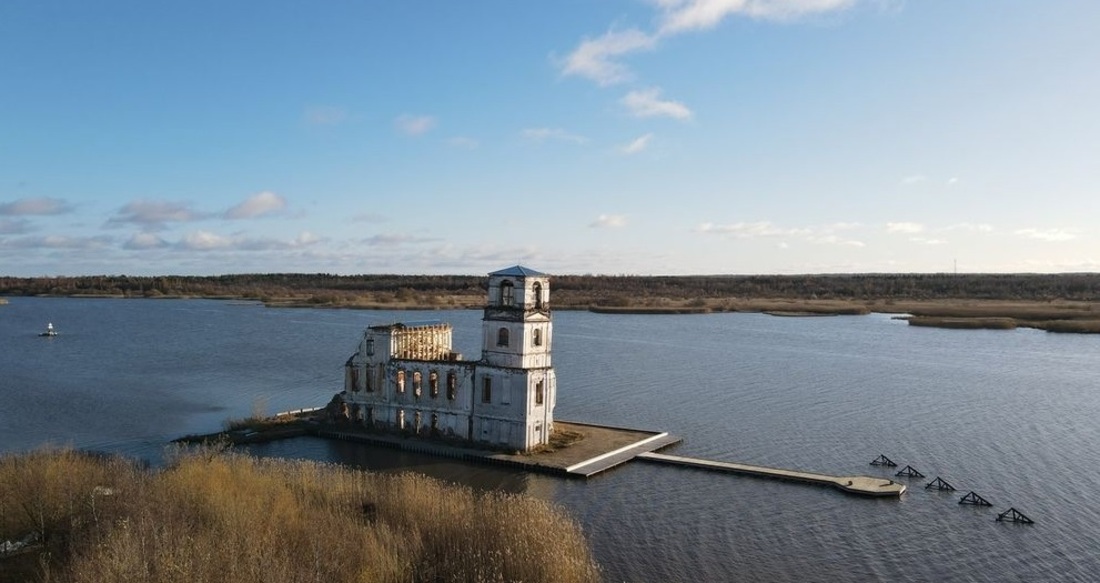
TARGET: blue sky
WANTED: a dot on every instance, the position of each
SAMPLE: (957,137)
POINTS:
(574,136)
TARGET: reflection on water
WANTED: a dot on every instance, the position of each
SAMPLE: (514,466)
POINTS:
(1009,414)
(382,459)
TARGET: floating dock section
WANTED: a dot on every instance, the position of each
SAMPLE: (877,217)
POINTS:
(862,485)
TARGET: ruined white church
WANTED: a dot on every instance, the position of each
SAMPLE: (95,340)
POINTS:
(407,378)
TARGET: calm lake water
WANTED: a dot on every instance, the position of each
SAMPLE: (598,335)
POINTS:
(1012,415)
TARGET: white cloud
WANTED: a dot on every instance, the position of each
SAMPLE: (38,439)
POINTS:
(973,227)
(819,235)
(835,240)
(326,115)
(152,215)
(687,15)
(637,145)
(258,205)
(1050,235)
(608,222)
(648,103)
(56,242)
(305,239)
(952,181)
(205,241)
(544,134)
(14,226)
(35,206)
(369,217)
(750,230)
(414,125)
(393,239)
(463,142)
(927,241)
(913,179)
(593,58)
(145,240)
(598,59)
(904,227)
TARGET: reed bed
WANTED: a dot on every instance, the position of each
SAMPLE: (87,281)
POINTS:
(213,516)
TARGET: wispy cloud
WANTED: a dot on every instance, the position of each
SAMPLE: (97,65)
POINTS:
(463,142)
(648,103)
(261,204)
(153,215)
(750,230)
(600,59)
(907,228)
(608,222)
(913,179)
(35,206)
(395,239)
(544,134)
(636,145)
(595,58)
(818,235)
(414,125)
(209,241)
(14,226)
(927,241)
(57,242)
(144,240)
(972,227)
(326,115)
(1049,235)
(369,217)
(689,15)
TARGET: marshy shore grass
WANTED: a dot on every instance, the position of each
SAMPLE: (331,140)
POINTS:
(211,516)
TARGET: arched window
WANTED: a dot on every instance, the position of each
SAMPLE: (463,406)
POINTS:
(400,381)
(433,383)
(536,337)
(502,337)
(416,384)
(452,386)
(507,293)
(537,288)
(538,393)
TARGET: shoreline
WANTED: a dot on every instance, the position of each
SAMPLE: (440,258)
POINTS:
(1057,316)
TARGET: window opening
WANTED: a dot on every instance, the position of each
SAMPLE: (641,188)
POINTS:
(433,383)
(507,293)
(486,390)
(536,337)
(537,288)
(452,386)
(416,384)
(502,337)
(538,393)
(401,381)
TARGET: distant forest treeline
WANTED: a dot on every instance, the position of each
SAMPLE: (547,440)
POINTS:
(575,290)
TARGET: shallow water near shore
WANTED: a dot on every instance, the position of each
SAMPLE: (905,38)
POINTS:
(1011,415)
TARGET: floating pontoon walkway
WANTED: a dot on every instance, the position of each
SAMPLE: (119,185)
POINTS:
(863,485)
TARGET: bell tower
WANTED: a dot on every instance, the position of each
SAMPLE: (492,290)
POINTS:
(515,385)
(516,328)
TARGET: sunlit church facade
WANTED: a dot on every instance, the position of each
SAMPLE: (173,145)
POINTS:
(407,378)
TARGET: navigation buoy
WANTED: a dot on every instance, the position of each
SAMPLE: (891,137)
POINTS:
(973,498)
(882,460)
(909,472)
(1013,515)
(939,484)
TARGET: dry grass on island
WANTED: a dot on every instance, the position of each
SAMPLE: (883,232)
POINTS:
(213,516)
